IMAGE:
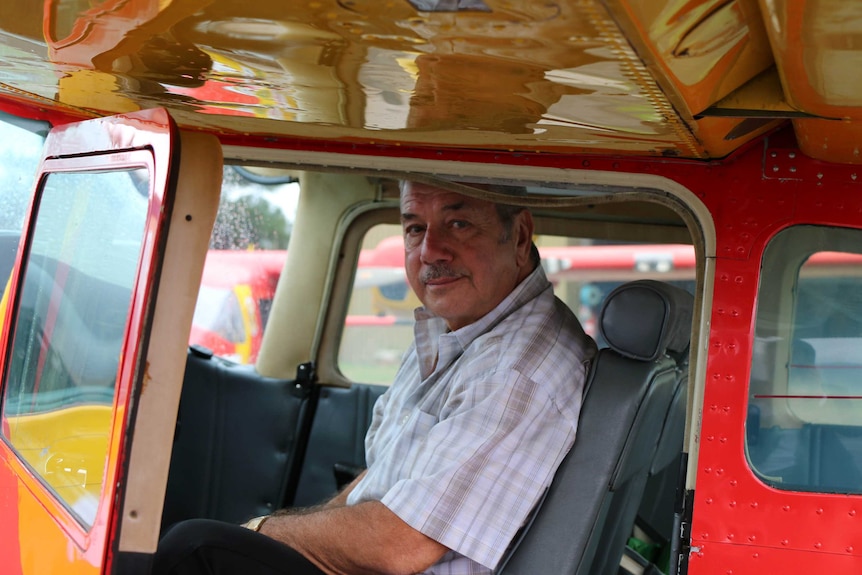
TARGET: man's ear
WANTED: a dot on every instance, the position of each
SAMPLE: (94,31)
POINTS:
(523,233)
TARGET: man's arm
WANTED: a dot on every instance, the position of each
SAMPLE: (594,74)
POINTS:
(362,538)
(340,499)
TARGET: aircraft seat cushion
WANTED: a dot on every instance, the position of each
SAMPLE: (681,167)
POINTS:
(642,319)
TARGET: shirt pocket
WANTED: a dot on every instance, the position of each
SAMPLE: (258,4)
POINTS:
(415,443)
(419,425)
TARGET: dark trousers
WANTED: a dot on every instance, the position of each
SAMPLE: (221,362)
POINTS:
(206,547)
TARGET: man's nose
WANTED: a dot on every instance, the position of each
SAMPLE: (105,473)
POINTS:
(436,246)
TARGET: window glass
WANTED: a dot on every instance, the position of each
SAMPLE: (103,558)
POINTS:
(804,426)
(20,151)
(379,324)
(246,256)
(70,327)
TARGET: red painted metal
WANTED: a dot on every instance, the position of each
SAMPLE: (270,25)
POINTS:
(741,525)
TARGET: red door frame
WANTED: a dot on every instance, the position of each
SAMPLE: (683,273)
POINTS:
(56,541)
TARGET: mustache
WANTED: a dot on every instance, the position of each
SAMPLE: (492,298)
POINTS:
(437,271)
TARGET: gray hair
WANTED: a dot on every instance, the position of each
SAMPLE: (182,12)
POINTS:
(507,215)
(506,212)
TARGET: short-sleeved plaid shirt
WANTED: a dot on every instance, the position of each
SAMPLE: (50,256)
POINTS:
(468,437)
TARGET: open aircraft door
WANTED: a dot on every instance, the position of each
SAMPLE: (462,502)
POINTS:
(89,352)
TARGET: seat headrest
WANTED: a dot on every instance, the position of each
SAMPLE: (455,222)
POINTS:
(645,319)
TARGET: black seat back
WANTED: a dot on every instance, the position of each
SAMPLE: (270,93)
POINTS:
(583,523)
(657,504)
(235,450)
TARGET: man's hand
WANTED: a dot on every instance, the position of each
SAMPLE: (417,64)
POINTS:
(362,538)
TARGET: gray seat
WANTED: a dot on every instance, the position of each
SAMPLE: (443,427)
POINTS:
(582,525)
(657,504)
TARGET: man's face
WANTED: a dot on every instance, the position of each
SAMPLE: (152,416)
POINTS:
(460,260)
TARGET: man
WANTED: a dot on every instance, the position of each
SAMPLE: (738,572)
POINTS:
(464,443)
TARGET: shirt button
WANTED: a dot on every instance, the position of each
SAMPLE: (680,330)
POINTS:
(405,419)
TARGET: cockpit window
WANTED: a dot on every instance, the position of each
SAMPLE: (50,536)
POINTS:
(804,427)
(21,150)
(71,322)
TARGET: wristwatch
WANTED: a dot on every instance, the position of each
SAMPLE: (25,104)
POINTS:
(256,523)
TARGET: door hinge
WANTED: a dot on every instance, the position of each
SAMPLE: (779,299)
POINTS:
(682,514)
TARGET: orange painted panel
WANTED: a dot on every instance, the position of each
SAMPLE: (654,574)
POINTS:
(831,140)
(37,531)
(817,51)
(700,51)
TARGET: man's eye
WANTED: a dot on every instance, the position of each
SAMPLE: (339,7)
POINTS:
(460,224)
(413,230)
